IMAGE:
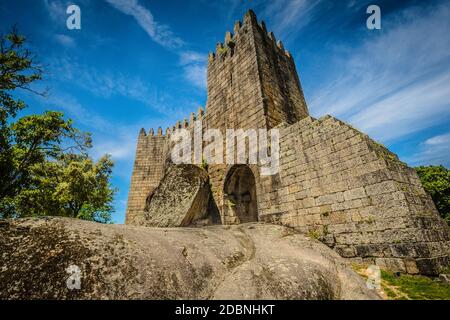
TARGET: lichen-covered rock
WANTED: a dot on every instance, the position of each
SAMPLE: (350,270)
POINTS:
(180,199)
(251,261)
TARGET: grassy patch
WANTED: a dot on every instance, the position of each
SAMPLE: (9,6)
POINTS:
(408,287)
(414,287)
(314,234)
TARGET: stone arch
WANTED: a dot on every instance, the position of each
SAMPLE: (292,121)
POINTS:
(239,192)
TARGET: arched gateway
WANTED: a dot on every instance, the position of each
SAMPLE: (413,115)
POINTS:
(240,194)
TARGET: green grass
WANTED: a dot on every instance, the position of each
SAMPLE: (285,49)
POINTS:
(408,287)
(414,287)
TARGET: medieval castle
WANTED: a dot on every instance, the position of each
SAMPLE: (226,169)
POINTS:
(334,182)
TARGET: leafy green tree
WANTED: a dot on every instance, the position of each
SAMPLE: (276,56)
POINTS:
(436,181)
(72,186)
(43,156)
(33,139)
(17,70)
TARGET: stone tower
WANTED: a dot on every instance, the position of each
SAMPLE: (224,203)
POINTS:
(252,75)
(334,183)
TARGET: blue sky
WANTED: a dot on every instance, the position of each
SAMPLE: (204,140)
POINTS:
(142,63)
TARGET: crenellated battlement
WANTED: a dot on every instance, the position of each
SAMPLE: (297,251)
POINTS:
(151,133)
(187,124)
(231,41)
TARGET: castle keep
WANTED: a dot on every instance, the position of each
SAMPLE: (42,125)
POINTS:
(334,182)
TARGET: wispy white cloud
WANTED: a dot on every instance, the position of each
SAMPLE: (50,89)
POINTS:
(408,110)
(194,66)
(101,83)
(396,83)
(109,84)
(65,40)
(196,75)
(56,9)
(122,147)
(193,63)
(434,151)
(289,16)
(439,140)
(189,57)
(158,32)
(74,109)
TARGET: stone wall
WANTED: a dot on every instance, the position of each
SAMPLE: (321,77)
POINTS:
(340,186)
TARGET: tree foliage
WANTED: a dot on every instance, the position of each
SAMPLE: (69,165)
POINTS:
(72,186)
(17,70)
(44,165)
(436,181)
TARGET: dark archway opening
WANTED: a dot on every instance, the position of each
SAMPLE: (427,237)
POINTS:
(240,194)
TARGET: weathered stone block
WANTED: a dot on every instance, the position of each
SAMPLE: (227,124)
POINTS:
(411,266)
(380,188)
(403,250)
(345,251)
(391,264)
(432,266)
(354,194)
